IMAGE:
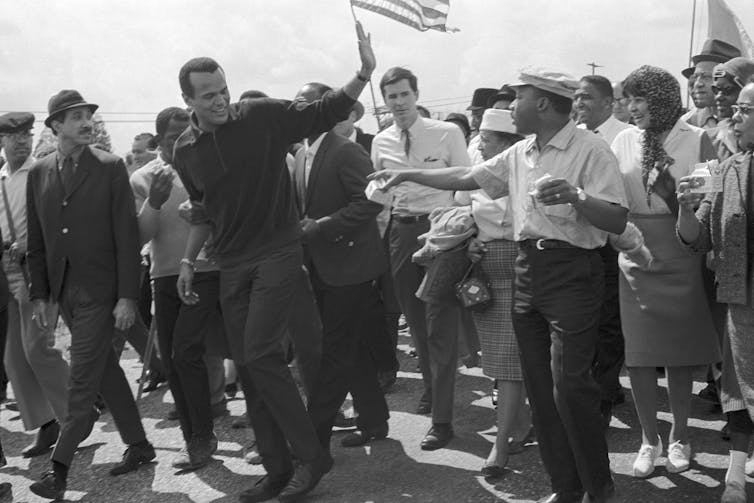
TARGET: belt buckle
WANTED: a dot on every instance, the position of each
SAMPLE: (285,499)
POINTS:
(539,244)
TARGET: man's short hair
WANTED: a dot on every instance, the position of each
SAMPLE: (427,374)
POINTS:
(560,104)
(149,137)
(195,65)
(396,74)
(162,122)
(600,83)
(251,94)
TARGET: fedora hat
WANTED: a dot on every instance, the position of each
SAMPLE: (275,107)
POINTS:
(480,98)
(713,50)
(66,100)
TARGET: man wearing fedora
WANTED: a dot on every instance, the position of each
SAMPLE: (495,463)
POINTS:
(83,253)
(480,101)
(704,114)
(38,372)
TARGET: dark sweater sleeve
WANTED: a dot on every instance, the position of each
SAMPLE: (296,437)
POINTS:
(299,121)
(35,248)
(126,233)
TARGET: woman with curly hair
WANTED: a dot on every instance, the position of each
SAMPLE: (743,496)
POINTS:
(665,316)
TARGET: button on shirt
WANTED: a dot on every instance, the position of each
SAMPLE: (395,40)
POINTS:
(580,157)
(15,185)
(434,144)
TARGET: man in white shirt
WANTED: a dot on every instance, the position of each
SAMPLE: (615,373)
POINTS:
(593,103)
(37,371)
(416,142)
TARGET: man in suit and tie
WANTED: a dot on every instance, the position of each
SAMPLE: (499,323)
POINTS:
(83,253)
(344,255)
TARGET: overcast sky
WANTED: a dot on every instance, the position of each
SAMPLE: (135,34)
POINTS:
(125,55)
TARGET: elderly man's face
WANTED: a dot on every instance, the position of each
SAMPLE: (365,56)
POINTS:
(743,119)
(700,83)
(17,146)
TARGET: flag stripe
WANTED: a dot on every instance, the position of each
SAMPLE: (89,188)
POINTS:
(419,14)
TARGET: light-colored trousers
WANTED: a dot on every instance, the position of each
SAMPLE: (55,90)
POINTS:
(36,369)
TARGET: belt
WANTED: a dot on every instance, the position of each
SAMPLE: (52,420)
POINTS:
(546,244)
(410,219)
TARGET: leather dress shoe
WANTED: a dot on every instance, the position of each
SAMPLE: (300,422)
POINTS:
(605,496)
(437,437)
(306,477)
(135,456)
(563,497)
(49,486)
(201,449)
(252,455)
(361,437)
(46,438)
(264,489)
(154,381)
(341,421)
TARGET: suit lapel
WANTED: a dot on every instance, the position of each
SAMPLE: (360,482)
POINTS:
(317,165)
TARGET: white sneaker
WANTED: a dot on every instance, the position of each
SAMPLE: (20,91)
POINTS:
(679,457)
(644,464)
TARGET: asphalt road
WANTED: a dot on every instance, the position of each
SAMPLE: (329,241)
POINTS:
(388,471)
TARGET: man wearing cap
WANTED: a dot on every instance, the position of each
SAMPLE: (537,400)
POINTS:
(415,142)
(729,78)
(232,159)
(83,253)
(38,372)
(560,223)
(700,80)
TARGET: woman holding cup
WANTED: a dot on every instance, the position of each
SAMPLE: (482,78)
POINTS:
(660,330)
(724,224)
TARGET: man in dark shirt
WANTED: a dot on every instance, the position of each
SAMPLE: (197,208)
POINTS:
(231,160)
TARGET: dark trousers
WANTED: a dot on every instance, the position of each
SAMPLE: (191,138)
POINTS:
(347,364)
(137,336)
(434,326)
(305,331)
(383,341)
(611,347)
(181,333)
(94,369)
(556,311)
(3,338)
(256,295)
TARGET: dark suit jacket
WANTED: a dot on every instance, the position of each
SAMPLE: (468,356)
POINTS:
(347,250)
(365,140)
(88,236)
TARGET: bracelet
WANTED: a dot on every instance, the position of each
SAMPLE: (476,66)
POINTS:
(187,262)
(361,78)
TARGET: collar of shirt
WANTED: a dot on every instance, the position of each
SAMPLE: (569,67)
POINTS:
(560,141)
(311,150)
(75,155)
(5,171)
(196,132)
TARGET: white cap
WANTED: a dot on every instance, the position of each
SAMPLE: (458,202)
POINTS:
(498,120)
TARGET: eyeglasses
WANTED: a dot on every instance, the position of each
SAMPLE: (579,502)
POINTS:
(727,91)
(20,135)
(742,108)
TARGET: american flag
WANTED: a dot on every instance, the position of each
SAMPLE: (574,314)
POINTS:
(420,14)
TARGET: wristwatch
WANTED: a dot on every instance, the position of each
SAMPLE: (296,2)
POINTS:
(580,195)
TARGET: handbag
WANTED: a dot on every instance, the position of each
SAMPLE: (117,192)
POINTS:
(474,292)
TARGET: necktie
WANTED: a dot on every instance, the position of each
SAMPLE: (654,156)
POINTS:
(407,144)
(67,173)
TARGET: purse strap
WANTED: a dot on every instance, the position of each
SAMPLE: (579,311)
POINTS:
(468,271)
